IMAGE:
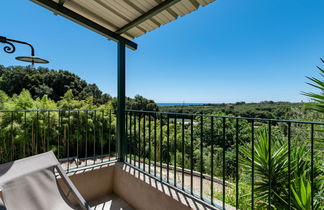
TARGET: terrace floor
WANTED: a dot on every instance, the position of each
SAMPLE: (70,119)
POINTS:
(110,202)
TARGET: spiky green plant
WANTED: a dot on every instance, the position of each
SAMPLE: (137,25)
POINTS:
(300,174)
(301,189)
(276,173)
(317,98)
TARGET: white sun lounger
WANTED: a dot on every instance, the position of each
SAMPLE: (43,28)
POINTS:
(30,184)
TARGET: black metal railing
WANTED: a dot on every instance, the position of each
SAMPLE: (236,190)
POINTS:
(77,137)
(230,161)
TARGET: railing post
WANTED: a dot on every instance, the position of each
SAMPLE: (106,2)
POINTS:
(121,141)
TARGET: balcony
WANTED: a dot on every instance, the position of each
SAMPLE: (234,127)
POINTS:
(170,160)
(128,159)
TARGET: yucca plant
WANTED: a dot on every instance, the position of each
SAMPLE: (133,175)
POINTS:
(318,105)
(276,173)
(301,188)
(300,197)
(317,98)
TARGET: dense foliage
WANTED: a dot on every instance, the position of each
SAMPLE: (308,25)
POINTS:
(42,81)
(25,131)
(265,109)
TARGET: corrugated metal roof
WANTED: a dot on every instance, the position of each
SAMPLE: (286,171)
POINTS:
(116,14)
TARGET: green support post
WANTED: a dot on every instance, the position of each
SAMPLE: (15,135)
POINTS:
(121,135)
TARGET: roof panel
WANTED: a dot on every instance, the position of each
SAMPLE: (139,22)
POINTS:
(189,5)
(111,8)
(204,2)
(167,15)
(139,16)
(182,6)
(147,25)
(177,10)
(125,8)
(135,32)
(90,14)
(145,5)
(104,11)
(162,18)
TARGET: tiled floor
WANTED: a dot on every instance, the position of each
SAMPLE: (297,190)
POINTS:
(110,202)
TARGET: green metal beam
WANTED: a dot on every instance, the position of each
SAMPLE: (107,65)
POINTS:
(121,95)
(61,2)
(69,14)
(154,11)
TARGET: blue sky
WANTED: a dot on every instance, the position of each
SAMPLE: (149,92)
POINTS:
(229,51)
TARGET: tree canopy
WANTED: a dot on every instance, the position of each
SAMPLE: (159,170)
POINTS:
(62,88)
(43,81)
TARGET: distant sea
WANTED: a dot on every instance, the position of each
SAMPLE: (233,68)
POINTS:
(182,104)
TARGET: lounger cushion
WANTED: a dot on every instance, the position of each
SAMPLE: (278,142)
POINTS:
(34,191)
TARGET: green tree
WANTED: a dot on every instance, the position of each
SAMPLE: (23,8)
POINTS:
(138,103)
(3,99)
(43,81)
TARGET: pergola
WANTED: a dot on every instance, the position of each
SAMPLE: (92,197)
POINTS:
(122,21)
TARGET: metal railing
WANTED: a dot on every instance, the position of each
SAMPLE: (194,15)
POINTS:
(77,137)
(229,162)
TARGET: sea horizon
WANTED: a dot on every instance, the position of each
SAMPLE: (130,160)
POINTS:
(182,104)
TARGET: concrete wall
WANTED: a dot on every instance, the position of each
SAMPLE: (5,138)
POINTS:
(140,194)
(91,183)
